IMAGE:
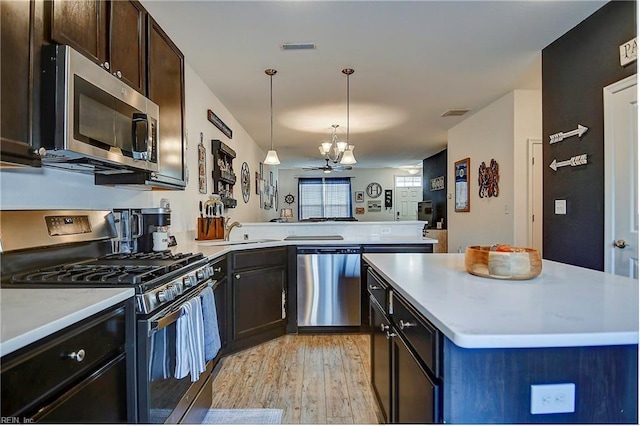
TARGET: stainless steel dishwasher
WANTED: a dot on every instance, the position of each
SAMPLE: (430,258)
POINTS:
(328,286)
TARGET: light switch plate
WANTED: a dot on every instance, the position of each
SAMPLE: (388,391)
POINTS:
(561,207)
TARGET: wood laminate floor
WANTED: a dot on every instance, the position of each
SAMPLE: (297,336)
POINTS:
(314,379)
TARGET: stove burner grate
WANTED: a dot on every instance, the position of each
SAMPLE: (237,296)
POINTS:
(129,275)
(112,269)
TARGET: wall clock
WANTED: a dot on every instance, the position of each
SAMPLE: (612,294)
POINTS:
(374,190)
(245,182)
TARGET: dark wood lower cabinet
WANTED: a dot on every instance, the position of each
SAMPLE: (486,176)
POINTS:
(257,301)
(81,374)
(414,393)
(380,358)
(86,402)
(258,295)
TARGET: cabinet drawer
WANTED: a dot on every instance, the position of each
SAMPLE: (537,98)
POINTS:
(49,367)
(259,258)
(377,288)
(419,333)
(86,402)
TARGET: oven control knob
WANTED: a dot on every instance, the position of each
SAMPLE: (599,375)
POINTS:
(162,296)
(173,291)
(200,275)
(178,288)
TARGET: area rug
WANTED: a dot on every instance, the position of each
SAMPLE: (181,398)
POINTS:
(244,416)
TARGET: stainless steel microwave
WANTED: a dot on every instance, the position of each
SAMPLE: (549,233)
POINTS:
(91,120)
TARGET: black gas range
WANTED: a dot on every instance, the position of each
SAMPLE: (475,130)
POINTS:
(82,257)
(75,249)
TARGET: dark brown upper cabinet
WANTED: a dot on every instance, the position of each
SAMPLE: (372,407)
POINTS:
(16,70)
(17,62)
(165,87)
(111,33)
(127,43)
(81,24)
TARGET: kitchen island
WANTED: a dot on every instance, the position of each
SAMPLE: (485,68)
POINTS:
(492,340)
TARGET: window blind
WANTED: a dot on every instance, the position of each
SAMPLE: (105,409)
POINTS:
(324,198)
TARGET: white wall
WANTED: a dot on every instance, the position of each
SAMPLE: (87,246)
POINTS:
(498,131)
(47,188)
(288,184)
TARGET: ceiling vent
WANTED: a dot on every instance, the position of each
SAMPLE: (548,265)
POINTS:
(298,46)
(454,112)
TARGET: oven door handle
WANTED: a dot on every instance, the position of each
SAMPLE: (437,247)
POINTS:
(164,320)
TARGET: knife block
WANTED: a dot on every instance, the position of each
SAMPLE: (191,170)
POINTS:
(210,228)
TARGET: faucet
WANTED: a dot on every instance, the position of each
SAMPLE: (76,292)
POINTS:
(228,228)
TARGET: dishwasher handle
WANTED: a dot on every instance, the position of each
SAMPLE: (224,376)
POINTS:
(329,250)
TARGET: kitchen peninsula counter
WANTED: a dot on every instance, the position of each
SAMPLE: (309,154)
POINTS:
(564,306)
(215,248)
(29,315)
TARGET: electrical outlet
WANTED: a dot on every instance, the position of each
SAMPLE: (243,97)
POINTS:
(557,398)
(385,230)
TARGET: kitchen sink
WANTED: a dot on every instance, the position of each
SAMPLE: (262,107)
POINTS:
(313,237)
(233,243)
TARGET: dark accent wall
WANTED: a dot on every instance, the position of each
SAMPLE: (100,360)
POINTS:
(575,69)
(433,167)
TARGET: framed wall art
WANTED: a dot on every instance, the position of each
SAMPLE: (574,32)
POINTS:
(359,196)
(461,169)
(245,182)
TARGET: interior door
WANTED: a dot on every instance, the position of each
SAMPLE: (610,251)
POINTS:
(621,177)
(407,198)
(535,194)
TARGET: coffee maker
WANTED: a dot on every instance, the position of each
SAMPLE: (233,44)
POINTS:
(143,230)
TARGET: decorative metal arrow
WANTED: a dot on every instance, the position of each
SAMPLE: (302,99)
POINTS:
(578,160)
(557,137)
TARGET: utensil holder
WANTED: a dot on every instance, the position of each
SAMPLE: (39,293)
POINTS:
(210,228)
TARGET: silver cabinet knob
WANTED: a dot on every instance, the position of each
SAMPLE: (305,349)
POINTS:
(218,269)
(237,276)
(105,65)
(620,244)
(384,327)
(374,287)
(118,74)
(407,324)
(77,356)
(390,335)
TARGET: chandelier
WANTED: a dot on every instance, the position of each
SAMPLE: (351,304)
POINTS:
(339,151)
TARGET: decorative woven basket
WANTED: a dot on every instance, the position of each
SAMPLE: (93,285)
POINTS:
(521,264)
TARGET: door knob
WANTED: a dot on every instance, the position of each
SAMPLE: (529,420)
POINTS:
(620,244)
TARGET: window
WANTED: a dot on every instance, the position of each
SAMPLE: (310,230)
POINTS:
(404,181)
(324,197)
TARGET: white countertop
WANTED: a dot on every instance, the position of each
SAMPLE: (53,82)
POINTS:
(214,248)
(28,315)
(564,306)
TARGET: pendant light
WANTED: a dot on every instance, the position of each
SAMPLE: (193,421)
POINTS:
(347,156)
(272,156)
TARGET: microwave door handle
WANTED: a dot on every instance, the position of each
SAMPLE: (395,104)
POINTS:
(140,137)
